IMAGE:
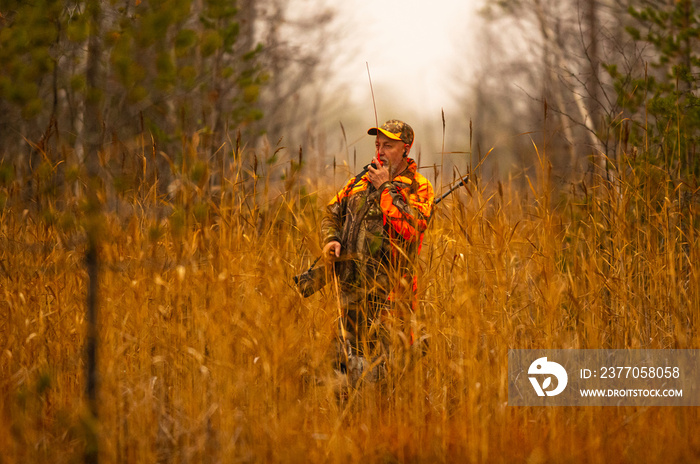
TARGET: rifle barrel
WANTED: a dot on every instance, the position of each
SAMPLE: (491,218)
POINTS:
(462,181)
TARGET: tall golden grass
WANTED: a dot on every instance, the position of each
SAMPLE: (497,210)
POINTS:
(208,354)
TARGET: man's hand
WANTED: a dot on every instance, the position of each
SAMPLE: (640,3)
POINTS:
(378,175)
(332,249)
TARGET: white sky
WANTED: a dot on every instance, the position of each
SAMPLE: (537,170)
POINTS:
(412,45)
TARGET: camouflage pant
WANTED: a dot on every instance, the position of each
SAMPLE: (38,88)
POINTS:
(371,340)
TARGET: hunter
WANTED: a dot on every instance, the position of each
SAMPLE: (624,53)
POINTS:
(373,229)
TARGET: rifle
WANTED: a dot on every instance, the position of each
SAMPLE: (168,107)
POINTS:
(462,181)
(314,278)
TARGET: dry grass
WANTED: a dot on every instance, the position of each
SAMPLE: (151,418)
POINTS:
(207,354)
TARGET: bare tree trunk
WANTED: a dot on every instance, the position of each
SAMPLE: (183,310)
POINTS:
(248,16)
(275,111)
(93,97)
(551,86)
(593,83)
(93,135)
(558,55)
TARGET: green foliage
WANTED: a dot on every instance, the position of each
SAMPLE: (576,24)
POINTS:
(168,61)
(77,83)
(251,93)
(201,212)
(199,172)
(184,40)
(27,36)
(72,174)
(166,71)
(188,77)
(178,221)
(662,99)
(123,182)
(155,232)
(6,174)
(211,41)
(77,29)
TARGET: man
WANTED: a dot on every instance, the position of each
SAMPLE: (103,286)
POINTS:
(373,228)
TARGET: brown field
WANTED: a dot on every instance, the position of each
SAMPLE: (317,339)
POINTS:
(208,354)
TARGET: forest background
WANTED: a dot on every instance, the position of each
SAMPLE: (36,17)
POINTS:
(152,153)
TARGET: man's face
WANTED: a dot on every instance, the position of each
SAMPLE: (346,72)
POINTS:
(390,151)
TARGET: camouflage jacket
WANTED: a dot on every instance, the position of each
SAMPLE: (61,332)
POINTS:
(381,233)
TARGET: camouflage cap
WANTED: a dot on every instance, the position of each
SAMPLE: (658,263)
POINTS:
(395,129)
